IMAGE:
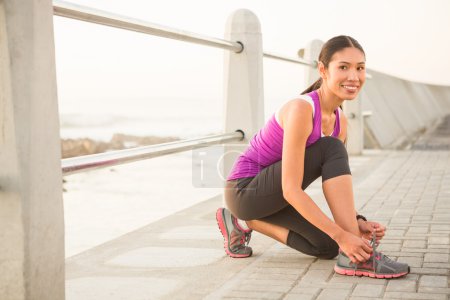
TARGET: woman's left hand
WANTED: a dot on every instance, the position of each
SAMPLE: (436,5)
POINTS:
(368,227)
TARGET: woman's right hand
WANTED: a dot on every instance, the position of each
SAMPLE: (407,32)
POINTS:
(356,248)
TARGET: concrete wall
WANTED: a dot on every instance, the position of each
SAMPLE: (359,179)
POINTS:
(400,109)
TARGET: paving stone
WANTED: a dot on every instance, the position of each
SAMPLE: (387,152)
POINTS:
(428,250)
(390,247)
(393,232)
(436,265)
(400,220)
(418,296)
(274,270)
(273,276)
(440,227)
(368,290)
(416,230)
(255,294)
(407,254)
(401,286)
(441,217)
(411,261)
(421,218)
(322,264)
(439,240)
(435,257)
(437,246)
(317,276)
(415,244)
(307,291)
(276,264)
(263,288)
(280,282)
(427,271)
(434,290)
(333,294)
(411,276)
(299,297)
(329,285)
(433,281)
(356,279)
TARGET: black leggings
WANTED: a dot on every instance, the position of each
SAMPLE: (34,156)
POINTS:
(261,197)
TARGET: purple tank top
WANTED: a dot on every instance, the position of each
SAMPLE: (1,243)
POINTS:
(266,146)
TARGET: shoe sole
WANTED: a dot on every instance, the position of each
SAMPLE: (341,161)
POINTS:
(352,272)
(224,232)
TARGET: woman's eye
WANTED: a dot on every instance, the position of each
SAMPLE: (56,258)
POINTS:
(343,67)
(361,68)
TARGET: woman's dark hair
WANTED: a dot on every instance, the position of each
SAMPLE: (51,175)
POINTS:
(332,46)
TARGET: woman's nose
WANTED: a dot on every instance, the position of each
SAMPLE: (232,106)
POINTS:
(353,76)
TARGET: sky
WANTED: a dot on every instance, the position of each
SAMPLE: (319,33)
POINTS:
(409,39)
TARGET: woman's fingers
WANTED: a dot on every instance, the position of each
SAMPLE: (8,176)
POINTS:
(359,258)
(366,247)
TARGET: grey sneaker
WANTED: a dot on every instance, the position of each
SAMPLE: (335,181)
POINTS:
(378,266)
(235,237)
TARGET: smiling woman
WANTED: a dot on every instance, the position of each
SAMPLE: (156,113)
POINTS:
(301,142)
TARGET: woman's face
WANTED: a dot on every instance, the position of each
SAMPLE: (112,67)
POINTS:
(346,73)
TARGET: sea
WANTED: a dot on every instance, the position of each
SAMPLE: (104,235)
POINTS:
(100,119)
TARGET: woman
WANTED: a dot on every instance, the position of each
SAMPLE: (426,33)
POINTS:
(303,140)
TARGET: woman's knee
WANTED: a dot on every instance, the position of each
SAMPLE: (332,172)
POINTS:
(333,146)
(330,252)
(335,158)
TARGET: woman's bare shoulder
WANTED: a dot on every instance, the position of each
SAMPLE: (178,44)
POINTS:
(295,106)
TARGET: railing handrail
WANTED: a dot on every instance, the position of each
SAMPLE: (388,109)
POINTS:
(91,15)
(118,157)
(301,61)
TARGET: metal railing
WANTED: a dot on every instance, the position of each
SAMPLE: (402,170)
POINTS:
(112,158)
(87,14)
(301,61)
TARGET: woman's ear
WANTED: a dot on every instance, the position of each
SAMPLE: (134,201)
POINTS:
(322,70)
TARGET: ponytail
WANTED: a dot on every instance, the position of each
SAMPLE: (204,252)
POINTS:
(316,85)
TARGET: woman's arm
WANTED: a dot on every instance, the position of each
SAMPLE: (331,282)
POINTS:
(298,126)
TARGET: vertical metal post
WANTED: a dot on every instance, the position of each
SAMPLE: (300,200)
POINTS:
(243,82)
(31,209)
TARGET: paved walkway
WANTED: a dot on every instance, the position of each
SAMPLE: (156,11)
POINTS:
(181,256)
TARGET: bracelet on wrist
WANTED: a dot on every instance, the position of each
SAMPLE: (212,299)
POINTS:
(361,217)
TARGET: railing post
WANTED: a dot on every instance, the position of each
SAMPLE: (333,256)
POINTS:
(311,53)
(243,82)
(31,208)
(355,129)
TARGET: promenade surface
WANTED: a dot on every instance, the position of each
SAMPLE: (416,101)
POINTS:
(182,257)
